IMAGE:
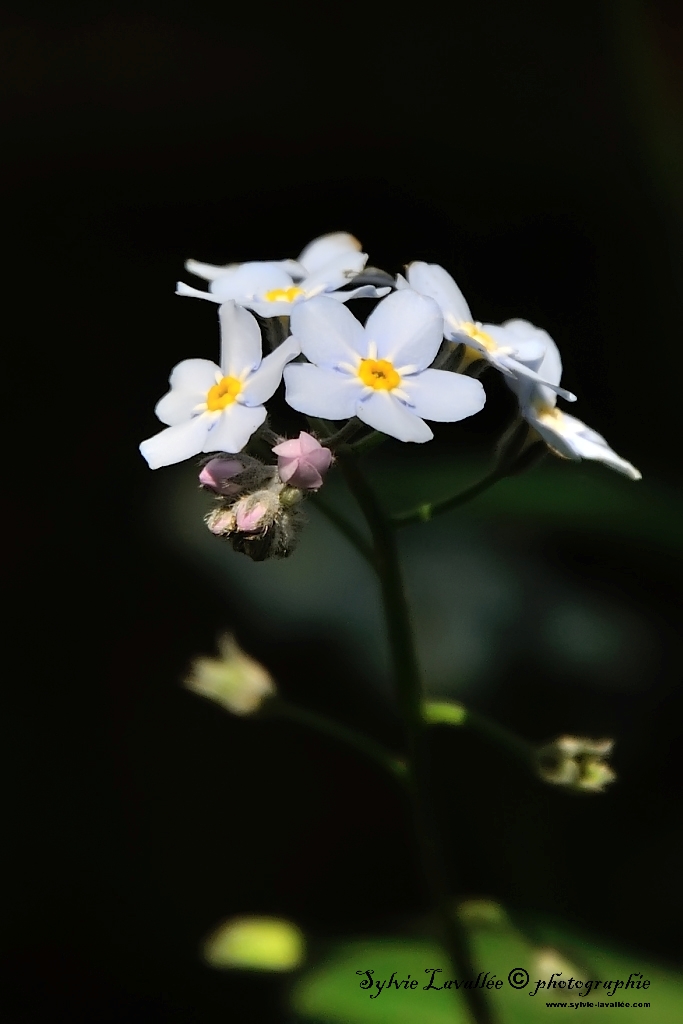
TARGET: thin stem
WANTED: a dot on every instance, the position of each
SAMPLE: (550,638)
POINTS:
(456,715)
(407,675)
(281,708)
(426,511)
(502,737)
(346,528)
(343,435)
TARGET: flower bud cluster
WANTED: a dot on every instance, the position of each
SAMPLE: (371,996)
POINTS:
(256,511)
(576,763)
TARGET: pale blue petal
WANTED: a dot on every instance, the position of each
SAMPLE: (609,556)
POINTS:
(177,443)
(329,333)
(386,413)
(540,387)
(232,429)
(190,381)
(402,284)
(185,289)
(323,250)
(443,396)
(270,309)
(588,444)
(407,329)
(336,273)
(250,280)
(240,340)
(528,347)
(210,271)
(322,392)
(263,383)
(364,291)
(431,279)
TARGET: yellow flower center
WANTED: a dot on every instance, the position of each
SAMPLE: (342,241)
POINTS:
(547,413)
(378,374)
(283,294)
(474,332)
(224,393)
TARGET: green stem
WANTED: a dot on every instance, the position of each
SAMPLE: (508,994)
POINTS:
(407,675)
(423,513)
(281,708)
(457,715)
(346,528)
(343,435)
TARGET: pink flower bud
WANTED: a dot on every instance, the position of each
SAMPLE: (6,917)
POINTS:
(217,473)
(251,518)
(302,462)
(221,521)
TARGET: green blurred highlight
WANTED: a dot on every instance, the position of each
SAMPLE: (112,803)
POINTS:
(331,991)
(443,713)
(256,944)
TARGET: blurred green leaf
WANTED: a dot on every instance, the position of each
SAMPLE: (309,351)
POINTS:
(331,991)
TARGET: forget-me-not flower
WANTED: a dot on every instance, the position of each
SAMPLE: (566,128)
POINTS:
(272,288)
(379,372)
(510,354)
(214,408)
(564,434)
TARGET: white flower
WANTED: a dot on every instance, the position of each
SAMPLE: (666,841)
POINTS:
(564,434)
(377,372)
(271,288)
(217,408)
(510,353)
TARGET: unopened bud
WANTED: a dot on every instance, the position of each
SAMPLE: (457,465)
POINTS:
(576,763)
(255,513)
(303,461)
(234,680)
(217,475)
(221,521)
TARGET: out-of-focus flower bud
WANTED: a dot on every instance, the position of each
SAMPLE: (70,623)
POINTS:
(255,513)
(217,475)
(234,680)
(576,763)
(221,521)
(303,461)
(255,944)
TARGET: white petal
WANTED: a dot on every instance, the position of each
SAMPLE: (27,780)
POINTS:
(240,340)
(263,383)
(336,273)
(443,396)
(175,444)
(588,444)
(540,388)
(232,429)
(402,284)
(364,291)
(407,329)
(185,289)
(322,392)
(326,248)
(209,271)
(386,413)
(329,333)
(573,439)
(270,309)
(431,279)
(190,381)
(251,280)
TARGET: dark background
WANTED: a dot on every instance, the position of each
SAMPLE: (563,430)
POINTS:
(532,149)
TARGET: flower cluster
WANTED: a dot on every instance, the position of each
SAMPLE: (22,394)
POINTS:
(416,358)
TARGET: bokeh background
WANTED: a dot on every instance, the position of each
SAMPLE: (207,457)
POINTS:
(535,151)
